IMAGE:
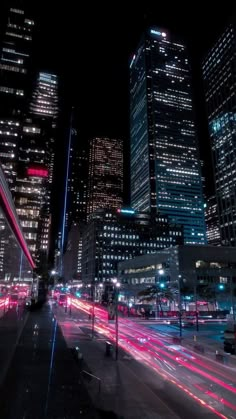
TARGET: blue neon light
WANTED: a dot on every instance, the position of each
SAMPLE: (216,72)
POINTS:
(153,32)
(127,211)
(132,61)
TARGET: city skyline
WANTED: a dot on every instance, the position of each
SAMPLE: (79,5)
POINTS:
(95,99)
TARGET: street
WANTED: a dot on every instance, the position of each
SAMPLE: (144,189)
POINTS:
(182,380)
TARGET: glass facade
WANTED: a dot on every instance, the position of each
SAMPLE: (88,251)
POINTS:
(165,166)
(212,222)
(36,166)
(105,185)
(14,86)
(113,236)
(15,257)
(220,92)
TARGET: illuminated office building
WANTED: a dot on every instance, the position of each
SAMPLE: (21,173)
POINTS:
(77,176)
(36,166)
(105,182)
(212,222)
(165,167)
(220,93)
(45,96)
(75,202)
(14,86)
(112,236)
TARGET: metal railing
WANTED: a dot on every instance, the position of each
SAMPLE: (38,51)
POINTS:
(96,378)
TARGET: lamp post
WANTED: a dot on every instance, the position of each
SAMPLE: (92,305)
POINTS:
(100,292)
(93,308)
(180,306)
(117,286)
(232,297)
(117,331)
(160,285)
(196,307)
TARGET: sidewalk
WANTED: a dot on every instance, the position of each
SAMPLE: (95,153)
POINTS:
(122,391)
(210,348)
(42,378)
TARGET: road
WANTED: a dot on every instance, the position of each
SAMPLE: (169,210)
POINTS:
(188,379)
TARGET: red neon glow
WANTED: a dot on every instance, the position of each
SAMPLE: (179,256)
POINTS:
(33,171)
(16,228)
(147,353)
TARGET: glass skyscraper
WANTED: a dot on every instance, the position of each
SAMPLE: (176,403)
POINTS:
(36,165)
(220,91)
(165,166)
(105,182)
(14,86)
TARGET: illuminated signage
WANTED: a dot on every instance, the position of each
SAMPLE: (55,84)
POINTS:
(31,171)
(126,211)
(154,32)
(132,61)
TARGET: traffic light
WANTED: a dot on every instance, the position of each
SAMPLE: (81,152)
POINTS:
(162,285)
(221,287)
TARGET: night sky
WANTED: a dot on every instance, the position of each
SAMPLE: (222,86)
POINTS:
(90,47)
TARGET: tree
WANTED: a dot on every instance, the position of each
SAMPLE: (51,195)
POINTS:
(185,291)
(157,293)
(208,293)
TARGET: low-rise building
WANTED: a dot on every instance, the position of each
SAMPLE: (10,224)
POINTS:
(191,266)
(114,236)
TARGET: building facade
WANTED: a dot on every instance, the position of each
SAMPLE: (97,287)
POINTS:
(15,84)
(220,93)
(36,165)
(165,167)
(212,222)
(113,236)
(16,260)
(193,266)
(105,182)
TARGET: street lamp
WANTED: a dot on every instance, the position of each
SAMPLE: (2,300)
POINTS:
(180,306)
(100,292)
(117,286)
(161,285)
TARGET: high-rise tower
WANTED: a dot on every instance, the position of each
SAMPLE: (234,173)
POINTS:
(36,165)
(15,80)
(220,91)
(105,186)
(165,166)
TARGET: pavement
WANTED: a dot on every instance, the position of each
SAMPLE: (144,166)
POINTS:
(209,337)
(129,387)
(42,378)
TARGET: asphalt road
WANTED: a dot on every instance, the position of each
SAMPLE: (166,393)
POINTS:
(188,384)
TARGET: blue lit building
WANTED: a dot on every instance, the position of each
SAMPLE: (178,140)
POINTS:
(165,166)
(220,92)
(112,236)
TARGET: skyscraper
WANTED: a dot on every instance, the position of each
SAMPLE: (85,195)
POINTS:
(220,92)
(14,87)
(75,202)
(212,222)
(165,166)
(36,164)
(105,183)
